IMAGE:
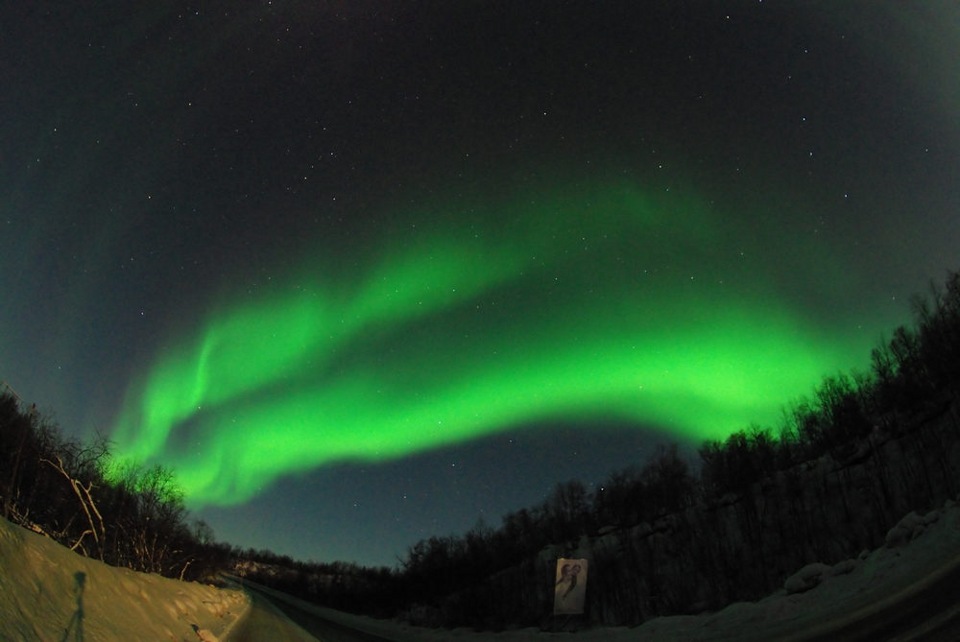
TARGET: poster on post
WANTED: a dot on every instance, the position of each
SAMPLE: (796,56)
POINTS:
(570,587)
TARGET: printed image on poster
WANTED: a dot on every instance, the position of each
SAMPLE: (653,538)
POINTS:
(570,586)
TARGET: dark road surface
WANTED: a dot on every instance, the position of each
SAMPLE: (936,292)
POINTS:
(928,611)
(266,622)
(276,617)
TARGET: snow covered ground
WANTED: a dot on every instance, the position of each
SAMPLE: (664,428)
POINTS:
(49,593)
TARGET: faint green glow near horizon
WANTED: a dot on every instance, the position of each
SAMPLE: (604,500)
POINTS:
(593,306)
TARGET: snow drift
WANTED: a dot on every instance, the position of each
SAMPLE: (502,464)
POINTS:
(50,593)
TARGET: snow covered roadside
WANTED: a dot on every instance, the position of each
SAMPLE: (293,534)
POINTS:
(50,593)
(919,549)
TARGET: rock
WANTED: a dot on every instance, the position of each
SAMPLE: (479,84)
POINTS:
(806,578)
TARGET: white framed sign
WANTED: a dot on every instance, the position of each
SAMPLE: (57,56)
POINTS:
(570,586)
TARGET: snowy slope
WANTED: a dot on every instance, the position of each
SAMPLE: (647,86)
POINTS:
(48,592)
(43,596)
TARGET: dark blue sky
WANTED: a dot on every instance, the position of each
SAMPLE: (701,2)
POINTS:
(161,162)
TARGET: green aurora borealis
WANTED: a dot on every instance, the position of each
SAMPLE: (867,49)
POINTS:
(607,303)
(362,272)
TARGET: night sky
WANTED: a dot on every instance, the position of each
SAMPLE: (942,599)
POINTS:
(363,272)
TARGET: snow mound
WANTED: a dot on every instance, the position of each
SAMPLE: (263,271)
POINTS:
(806,578)
(49,593)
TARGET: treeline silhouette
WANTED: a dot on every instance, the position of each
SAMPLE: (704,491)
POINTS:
(442,565)
(916,371)
(680,533)
(133,517)
(477,578)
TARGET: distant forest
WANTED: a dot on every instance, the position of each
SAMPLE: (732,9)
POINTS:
(914,373)
(136,517)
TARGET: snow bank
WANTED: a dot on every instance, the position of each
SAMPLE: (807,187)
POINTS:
(50,593)
(848,590)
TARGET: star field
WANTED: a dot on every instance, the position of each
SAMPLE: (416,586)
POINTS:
(364,273)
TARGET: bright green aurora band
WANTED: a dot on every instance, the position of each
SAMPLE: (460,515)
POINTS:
(608,305)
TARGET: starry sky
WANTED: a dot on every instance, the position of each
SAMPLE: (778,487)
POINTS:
(362,272)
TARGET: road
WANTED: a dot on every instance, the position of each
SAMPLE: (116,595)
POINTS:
(927,611)
(276,617)
(266,622)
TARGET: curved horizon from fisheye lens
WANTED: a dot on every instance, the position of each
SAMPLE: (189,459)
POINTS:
(371,270)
